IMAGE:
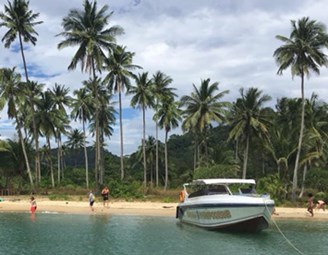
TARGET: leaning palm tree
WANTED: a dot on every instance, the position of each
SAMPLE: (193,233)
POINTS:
(33,90)
(20,21)
(10,91)
(142,99)
(87,30)
(162,92)
(203,107)
(169,116)
(248,119)
(303,53)
(82,109)
(119,66)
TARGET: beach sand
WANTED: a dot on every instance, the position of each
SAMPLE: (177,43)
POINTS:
(116,207)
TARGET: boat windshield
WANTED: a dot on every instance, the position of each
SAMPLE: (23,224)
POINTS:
(205,190)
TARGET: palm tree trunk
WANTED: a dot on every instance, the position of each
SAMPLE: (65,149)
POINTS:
(245,158)
(299,147)
(166,163)
(50,162)
(195,156)
(23,56)
(24,151)
(101,166)
(157,159)
(121,133)
(23,145)
(97,160)
(144,146)
(58,161)
(303,181)
(85,155)
(61,156)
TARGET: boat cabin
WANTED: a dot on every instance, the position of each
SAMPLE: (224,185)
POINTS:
(206,187)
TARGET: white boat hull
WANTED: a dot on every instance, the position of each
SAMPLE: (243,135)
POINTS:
(231,212)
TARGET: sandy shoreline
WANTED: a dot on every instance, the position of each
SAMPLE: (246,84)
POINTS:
(132,208)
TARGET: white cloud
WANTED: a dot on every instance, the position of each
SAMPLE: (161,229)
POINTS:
(231,42)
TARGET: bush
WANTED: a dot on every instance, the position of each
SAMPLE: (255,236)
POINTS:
(217,171)
(272,185)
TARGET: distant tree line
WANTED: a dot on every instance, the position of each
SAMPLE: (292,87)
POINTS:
(244,138)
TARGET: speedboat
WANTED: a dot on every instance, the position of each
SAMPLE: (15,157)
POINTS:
(231,204)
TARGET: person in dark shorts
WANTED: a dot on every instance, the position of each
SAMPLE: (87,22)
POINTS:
(310,204)
(105,195)
(91,200)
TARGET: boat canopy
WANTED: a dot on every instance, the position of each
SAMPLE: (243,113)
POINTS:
(221,181)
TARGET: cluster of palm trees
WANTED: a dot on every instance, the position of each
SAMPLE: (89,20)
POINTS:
(45,113)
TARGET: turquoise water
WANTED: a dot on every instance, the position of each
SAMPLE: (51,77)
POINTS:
(95,234)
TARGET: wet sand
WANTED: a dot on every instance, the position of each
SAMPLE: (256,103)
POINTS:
(44,205)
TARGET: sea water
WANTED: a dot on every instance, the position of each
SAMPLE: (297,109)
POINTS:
(21,233)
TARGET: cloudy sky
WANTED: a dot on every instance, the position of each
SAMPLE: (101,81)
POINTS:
(228,41)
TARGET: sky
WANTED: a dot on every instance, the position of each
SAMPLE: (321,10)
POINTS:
(229,41)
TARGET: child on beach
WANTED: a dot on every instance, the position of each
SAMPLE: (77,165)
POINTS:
(91,200)
(321,204)
(33,205)
(310,204)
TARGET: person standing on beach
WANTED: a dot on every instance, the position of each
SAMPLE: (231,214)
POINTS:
(310,204)
(105,195)
(91,200)
(33,205)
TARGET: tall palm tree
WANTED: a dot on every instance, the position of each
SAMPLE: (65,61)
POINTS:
(169,116)
(87,29)
(82,110)
(48,117)
(119,66)
(162,92)
(106,122)
(303,53)
(33,90)
(203,107)
(248,119)
(20,22)
(10,91)
(61,99)
(142,99)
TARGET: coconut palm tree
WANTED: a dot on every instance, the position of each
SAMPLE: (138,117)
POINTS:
(169,116)
(248,119)
(75,141)
(119,66)
(82,109)
(106,121)
(304,53)
(20,22)
(87,30)
(142,98)
(61,99)
(48,118)
(202,108)
(162,92)
(32,90)
(10,91)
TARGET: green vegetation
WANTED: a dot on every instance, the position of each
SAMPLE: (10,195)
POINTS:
(284,147)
